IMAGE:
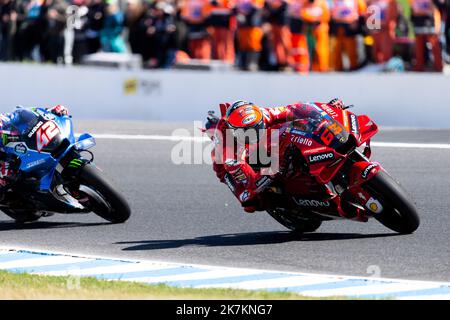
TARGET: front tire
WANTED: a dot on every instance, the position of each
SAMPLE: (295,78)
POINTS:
(104,200)
(399,213)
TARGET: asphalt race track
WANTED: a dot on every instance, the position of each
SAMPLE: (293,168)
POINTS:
(182,214)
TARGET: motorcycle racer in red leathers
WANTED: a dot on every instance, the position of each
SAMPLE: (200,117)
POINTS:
(232,166)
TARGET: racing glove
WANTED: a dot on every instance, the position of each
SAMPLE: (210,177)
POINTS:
(60,110)
(337,103)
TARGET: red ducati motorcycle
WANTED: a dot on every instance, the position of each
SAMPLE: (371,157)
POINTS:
(331,177)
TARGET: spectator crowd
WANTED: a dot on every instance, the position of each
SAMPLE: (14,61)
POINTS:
(296,35)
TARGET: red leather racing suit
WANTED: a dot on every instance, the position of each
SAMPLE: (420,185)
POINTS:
(233,169)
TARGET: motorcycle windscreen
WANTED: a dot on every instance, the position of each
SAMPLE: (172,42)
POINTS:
(317,124)
(23,121)
(38,132)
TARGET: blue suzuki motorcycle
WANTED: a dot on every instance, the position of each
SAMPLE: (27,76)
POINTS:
(55,172)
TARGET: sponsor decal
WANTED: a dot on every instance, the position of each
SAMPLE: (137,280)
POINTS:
(301,140)
(374,205)
(244,196)
(298,132)
(75,163)
(240,177)
(330,111)
(354,128)
(311,203)
(130,86)
(229,183)
(315,150)
(20,148)
(33,131)
(249,119)
(366,171)
(35,163)
(321,157)
(263,182)
(45,115)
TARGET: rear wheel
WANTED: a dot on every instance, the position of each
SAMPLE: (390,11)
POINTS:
(293,221)
(399,213)
(101,197)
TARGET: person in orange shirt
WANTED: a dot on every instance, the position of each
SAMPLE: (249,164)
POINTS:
(194,13)
(383,30)
(249,32)
(221,29)
(426,21)
(275,17)
(347,17)
(316,16)
(298,53)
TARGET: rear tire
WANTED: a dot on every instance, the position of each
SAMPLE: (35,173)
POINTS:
(399,213)
(293,221)
(112,205)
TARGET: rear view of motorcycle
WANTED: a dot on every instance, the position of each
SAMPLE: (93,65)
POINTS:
(330,175)
(55,171)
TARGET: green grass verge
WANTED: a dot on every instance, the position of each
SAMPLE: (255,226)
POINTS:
(25,286)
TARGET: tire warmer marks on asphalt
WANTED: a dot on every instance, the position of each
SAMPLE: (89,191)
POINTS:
(201,276)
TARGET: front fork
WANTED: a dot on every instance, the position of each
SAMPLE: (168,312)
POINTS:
(70,168)
(360,171)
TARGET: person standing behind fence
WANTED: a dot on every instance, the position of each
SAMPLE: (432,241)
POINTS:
(111,34)
(52,45)
(382,28)
(316,16)
(426,21)
(194,13)
(94,23)
(222,29)
(249,32)
(275,15)
(7,21)
(346,20)
(298,53)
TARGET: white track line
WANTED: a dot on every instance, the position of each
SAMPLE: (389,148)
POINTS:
(121,268)
(205,139)
(411,145)
(37,262)
(369,289)
(274,283)
(429,297)
(201,275)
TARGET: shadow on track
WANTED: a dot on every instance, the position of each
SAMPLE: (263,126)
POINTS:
(11,225)
(245,239)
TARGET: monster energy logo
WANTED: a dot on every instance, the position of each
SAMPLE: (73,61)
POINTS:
(75,163)
(6,138)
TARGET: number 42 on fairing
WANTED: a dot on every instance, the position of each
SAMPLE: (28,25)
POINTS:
(45,134)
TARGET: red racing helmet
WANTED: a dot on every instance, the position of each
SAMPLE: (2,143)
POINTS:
(246,120)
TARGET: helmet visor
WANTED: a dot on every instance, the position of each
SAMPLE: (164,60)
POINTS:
(249,135)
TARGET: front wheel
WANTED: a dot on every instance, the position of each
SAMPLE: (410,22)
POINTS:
(399,213)
(101,197)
